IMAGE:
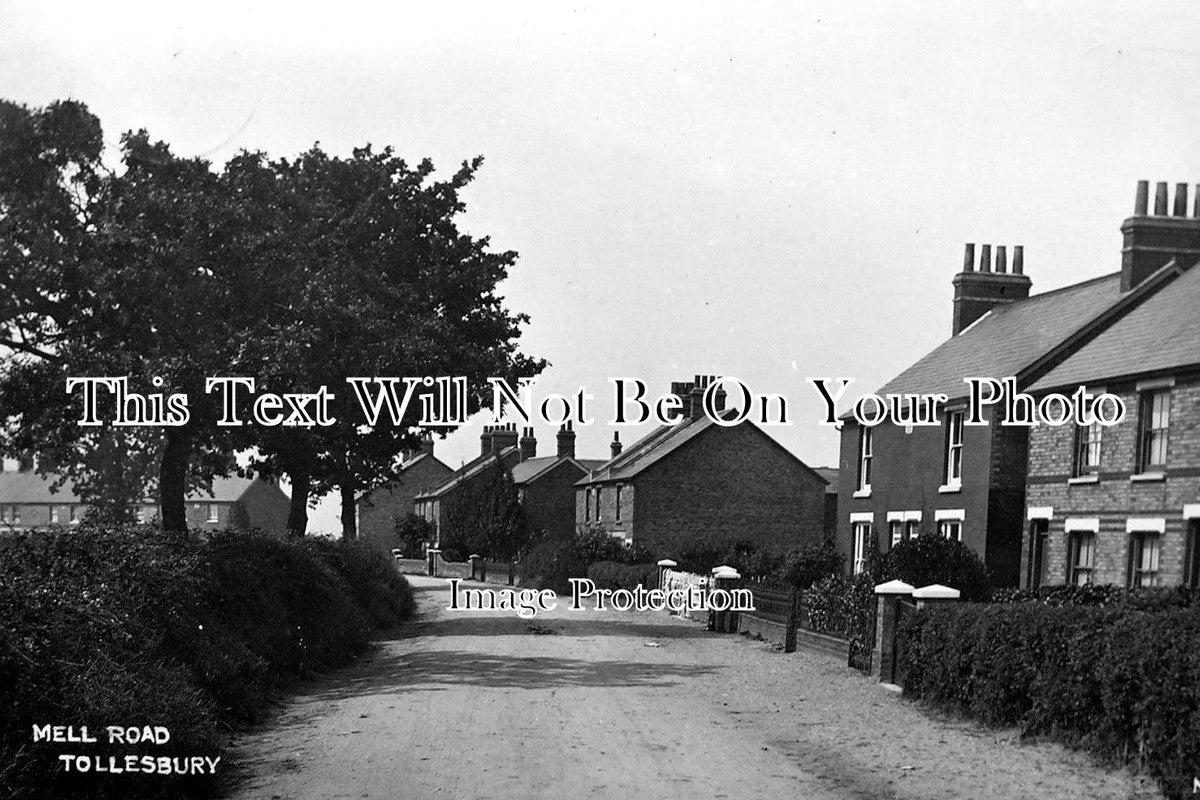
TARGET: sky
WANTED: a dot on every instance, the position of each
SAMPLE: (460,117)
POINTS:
(772,191)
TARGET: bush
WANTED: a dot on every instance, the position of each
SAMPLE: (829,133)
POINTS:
(1118,681)
(133,627)
(552,562)
(930,559)
(413,532)
(611,575)
(804,567)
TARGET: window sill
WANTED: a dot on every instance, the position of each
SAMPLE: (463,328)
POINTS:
(950,488)
(1148,477)
(862,493)
(1083,479)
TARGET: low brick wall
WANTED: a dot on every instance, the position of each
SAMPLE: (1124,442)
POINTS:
(820,643)
(756,626)
(412,566)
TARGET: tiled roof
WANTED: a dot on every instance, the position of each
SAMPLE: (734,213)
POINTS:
(530,468)
(657,445)
(1008,338)
(30,487)
(830,474)
(473,467)
(1162,333)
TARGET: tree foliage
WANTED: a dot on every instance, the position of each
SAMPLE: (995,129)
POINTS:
(298,273)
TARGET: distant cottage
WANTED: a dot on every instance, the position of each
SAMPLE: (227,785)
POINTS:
(28,500)
(545,485)
(700,484)
(380,509)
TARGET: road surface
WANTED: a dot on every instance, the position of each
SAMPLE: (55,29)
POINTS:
(628,705)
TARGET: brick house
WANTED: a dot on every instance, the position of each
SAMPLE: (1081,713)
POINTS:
(545,485)
(1121,504)
(969,482)
(379,509)
(698,481)
(29,500)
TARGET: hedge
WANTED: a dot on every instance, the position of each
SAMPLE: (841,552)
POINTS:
(130,627)
(1120,682)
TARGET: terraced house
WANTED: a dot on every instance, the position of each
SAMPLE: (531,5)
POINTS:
(1121,504)
(970,482)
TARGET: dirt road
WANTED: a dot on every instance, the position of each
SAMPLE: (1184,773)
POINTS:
(624,705)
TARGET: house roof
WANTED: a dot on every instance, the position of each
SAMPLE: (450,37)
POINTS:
(420,458)
(1162,333)
(473,467)
(830,474)
(1008,339)
(30,487)
(659,444)
(531,469)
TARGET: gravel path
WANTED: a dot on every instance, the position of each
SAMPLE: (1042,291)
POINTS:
(486,705)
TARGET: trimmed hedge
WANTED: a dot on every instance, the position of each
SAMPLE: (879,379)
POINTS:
(130,627)
(1120,682)
(552,562)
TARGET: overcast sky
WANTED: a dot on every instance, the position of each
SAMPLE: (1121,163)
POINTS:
(766,190)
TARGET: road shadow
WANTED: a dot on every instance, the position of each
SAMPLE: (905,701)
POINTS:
(579,624)
(435,670)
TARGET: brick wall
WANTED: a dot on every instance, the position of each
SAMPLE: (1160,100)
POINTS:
(1114,497)
(549,501)
(727,486)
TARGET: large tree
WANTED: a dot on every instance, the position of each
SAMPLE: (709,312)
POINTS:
(298,273)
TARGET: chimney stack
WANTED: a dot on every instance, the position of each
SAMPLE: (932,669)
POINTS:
(699,384)
(485,440)
(504,436)
(615,446)
(1152,240)
(566,441)
(977,292)
(25,462)
(528,445)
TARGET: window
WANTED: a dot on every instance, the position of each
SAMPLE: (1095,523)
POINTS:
(1039,531)
(912,528)
(214,512)
(617,510)
(954,444)
(1191,564)
(598,504)
(1087,450)
(74,512)
(1154,417)
(950,529)
(1081,555)
(587,505)
(1143,558)
(4,514)
(866,446)
(53,514)
(896,531)
(862,539)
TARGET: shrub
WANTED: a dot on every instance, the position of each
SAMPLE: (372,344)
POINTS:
(932,559)
(412,533)
(1119,681)
(611,575)
(1142,599)
(132,627)
(552,562)
(805,566)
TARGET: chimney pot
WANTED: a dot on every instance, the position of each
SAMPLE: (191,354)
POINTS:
(615,446)
(1018,259)
(1160,199)
(1001,258)
(1142,204)
(1196,202)
(969,258)
(1181,194)
(985,258)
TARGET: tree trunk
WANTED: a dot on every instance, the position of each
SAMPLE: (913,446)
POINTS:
(349,514)
(172,481)
(297,524)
